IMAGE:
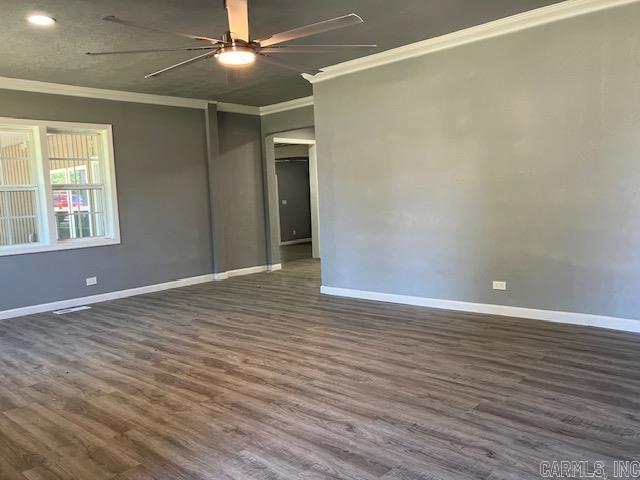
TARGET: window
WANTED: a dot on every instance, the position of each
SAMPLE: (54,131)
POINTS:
(18,189)
(75,162)
(57,186)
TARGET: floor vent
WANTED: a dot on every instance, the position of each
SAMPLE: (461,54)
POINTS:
(69,310)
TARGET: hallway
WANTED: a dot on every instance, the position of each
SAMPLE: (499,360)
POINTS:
(299,251)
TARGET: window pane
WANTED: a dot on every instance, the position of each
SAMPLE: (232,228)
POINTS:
(79,213)
(15,158)
(79,225)
(18,217)
(21,203)
(63,228)
(4,232)
(23,230)
(90,225)
(74,158)
(18,231)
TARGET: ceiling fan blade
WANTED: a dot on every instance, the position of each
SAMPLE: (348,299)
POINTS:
(238,14)
(314,48)
(288,66)
(199,58)
(114,19)
(313,29)
(154,50)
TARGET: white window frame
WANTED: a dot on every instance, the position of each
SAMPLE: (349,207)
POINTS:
(45,213)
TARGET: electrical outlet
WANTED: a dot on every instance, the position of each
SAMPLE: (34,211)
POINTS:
(294,232)
(284,202)
(499,285)
(92,281)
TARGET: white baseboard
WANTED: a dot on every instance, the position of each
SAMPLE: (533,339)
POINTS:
(246,271)
(614,323)
(103,297)
(294,242)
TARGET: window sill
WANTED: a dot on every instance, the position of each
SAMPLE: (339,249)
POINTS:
(64,245)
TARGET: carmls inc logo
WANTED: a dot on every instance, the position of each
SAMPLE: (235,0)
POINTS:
(589,469)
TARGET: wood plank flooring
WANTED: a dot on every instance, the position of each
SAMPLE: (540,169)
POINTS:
(297,251)
(261,377)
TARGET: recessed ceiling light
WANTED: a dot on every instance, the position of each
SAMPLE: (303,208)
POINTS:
(41,20)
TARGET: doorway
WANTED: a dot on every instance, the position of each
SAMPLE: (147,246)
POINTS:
(292,195)
(294,201)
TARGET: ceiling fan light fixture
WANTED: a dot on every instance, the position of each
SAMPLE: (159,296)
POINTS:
(236,56)
(41,20)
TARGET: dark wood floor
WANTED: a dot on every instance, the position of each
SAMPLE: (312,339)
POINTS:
(298,251)
(260,377)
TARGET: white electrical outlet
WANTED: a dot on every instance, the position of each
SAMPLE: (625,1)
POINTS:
(284,202)
(92,281)
(499,285)
(294,232)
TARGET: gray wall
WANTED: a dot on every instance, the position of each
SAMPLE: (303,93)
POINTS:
(292,151)
(171,164)
(216,189)
(287,120)
(293,186)
(239,194)
(161,170)
(514,158)
(242,200)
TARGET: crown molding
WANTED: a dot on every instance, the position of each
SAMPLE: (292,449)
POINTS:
(103,94)
(514,23)
(266,110)
(284,106)
(237,108)
(7,83)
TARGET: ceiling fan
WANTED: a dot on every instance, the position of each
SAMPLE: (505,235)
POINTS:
(236,48)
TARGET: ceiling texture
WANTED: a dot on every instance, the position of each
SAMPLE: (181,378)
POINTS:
(57,54)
